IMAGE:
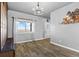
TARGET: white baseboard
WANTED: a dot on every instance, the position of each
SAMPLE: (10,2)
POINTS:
(23,41)
(64,46)
(29,40)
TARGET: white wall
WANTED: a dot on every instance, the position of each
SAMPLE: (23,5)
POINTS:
(47,29)
(39,25)
(67,35)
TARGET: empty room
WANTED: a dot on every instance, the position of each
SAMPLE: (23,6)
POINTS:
(39,29)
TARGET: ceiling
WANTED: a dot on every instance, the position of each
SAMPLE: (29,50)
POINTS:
(26,7)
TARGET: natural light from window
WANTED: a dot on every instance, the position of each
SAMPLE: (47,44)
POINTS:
(23,26)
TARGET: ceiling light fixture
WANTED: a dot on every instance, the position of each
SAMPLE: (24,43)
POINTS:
(37,10)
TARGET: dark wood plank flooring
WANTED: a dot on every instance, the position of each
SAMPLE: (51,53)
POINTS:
(10,53)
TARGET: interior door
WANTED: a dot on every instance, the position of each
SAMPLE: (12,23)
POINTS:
(3,23)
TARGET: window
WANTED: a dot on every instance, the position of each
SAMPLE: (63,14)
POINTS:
(23,26)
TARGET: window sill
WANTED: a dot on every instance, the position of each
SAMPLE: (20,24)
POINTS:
(23,32)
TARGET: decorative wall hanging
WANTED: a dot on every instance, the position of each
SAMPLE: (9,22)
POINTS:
(71,17)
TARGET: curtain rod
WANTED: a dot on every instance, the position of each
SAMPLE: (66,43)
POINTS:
(20,18)
(23,18)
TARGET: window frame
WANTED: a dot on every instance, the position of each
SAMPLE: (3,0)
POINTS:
(31,26)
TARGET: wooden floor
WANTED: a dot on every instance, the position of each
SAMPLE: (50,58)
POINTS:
(42,48)
(10,53)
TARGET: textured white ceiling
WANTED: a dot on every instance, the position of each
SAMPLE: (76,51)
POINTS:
(27,7)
